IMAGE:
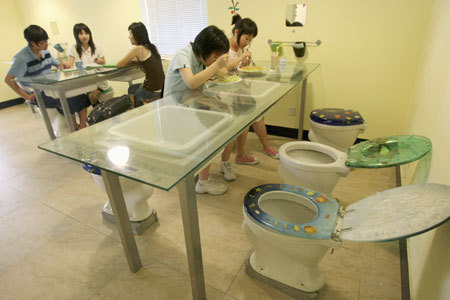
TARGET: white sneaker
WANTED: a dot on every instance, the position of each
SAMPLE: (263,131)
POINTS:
(210,187)
(227,170)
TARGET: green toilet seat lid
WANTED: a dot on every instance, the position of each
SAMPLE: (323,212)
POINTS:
(388,151)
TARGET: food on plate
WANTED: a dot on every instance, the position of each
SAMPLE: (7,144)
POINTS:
(227,79)
(252,68)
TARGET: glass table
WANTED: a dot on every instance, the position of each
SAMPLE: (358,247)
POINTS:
(164,143)
(75,82)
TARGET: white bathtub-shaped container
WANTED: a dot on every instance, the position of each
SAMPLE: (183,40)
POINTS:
(173,128)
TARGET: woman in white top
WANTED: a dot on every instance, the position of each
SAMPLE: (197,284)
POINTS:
(244,31)
(88,53)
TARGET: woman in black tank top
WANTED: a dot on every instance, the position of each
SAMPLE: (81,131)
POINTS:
(150,64)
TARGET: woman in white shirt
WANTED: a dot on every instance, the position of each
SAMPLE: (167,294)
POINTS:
(88,53)
(244,31)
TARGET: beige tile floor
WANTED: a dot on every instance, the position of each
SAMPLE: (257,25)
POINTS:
(55,244)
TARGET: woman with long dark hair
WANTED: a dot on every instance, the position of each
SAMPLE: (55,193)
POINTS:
(145,55)
(85,49)
(88,53)
(244,31)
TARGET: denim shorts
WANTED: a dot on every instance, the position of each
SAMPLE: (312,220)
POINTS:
(141,94)
(76,104)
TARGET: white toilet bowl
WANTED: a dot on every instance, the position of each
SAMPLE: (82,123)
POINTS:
(336,127)
(290,229)
(135,194)
(312,165)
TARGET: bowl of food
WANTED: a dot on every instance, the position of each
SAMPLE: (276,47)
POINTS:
(252,69)
(227,80)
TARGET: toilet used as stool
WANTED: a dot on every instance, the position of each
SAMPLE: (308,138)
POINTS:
(335,127)
(291,228)
(319,167)
(106,94)
(136,196)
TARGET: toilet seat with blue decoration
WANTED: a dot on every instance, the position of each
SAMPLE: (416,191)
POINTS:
(321,227)
(336,116)
(384,216)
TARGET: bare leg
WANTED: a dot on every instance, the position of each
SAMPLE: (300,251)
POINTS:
(240,145)
(204,174)
(261,132)
(74,120)
(241,157)
(132,100)
(226,154)
(83,115)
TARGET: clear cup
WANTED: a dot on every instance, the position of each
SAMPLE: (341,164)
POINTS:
(79,65)
(275,61)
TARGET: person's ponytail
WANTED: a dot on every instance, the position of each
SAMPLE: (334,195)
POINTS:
(236,18)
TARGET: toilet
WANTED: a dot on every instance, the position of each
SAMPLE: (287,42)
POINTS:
(312,165)
(291,228)
(136,197)
(336,127)
(106,95)
(319,167)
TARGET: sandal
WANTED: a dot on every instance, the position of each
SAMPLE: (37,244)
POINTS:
(272,152)
(246,160)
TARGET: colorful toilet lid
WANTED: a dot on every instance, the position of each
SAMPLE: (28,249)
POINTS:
(321,227)
(388,151)
(336,116)
(396,213)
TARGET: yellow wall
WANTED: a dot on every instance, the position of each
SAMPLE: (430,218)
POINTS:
(429,116)
(13,41)
(368,57)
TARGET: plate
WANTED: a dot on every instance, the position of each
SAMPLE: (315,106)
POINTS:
(70,70)
(227,80)
(252,69)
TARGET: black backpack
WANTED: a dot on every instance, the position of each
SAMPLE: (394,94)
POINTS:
(108,109)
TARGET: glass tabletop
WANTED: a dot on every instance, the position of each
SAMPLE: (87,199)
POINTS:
(162,142)
(388,151)
(69,74)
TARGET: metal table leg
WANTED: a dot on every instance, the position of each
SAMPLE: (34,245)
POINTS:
(31,106)
(44,113)
(66,110)
(403,249)
(302,110)
(115,195)
(188,204)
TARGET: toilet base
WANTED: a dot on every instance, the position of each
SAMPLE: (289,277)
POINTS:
(289,290)
(137,227)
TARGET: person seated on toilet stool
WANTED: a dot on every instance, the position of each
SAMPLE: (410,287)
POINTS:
(244,31)
(88,53)
(189,69)
(35,59)
(149,61)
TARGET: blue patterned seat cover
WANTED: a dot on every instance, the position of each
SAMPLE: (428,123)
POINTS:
(321,227)
(336,116)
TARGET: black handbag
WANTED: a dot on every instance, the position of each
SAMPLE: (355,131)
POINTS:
(108,109)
